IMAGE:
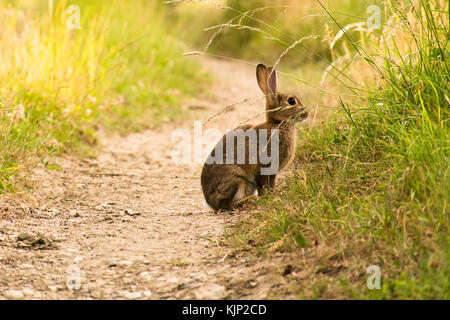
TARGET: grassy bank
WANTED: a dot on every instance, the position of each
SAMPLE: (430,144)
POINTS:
(371,185)
(122,68)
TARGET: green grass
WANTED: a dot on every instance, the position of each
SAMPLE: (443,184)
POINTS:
(372,185)
(254,30)
(124,69)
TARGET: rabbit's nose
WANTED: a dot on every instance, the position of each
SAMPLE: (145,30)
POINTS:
(304,113)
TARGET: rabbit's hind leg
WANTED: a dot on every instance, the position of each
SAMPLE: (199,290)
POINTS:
(226,191)
(245,200)
(237,193)
(224,185)
(245,192)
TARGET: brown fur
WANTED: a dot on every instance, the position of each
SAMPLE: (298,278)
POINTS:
(225,185)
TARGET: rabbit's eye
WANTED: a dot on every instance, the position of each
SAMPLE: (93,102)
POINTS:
(292,101)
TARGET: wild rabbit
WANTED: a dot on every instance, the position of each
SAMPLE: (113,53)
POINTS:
(232,175)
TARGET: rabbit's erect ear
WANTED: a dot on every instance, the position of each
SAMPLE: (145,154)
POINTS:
(272,79)
(261,76)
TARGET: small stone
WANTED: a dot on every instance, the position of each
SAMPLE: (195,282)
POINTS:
(210,291)
(145,275)
(74,213)
(125,263)
(53,288)
(198,276)
(147,293)
(172,280)
(13,295)
(28,292)
(26,266)
(131,212)
(133,295)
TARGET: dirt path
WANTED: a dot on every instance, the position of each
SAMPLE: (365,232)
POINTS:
(132,222)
